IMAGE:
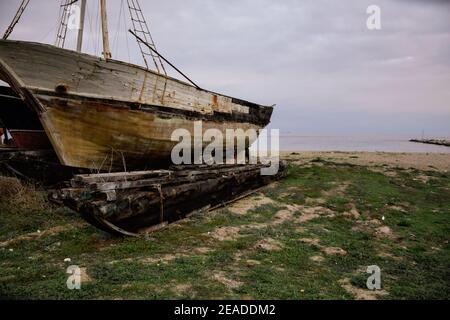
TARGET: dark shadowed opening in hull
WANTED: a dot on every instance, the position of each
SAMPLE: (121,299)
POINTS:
(21,122)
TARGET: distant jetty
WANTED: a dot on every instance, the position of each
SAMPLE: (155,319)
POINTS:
(439,142)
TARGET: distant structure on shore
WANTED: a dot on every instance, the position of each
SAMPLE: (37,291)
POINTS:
(440,142)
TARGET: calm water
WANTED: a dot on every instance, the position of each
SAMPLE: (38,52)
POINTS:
(356,143)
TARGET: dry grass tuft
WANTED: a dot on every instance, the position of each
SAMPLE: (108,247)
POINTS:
(19,195)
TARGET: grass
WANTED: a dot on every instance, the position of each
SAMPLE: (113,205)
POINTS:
(402,226)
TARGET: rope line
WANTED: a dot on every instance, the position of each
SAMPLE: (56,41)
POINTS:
(16,18)
(62,29)
(140,27)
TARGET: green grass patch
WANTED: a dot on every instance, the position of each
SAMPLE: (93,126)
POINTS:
(185,261)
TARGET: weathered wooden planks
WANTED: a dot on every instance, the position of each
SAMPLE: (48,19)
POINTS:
(108,79)
(160,197)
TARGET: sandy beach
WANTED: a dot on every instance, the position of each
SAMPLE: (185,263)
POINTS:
(420,161)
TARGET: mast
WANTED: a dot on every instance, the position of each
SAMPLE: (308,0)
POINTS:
(106,51)
(81,29)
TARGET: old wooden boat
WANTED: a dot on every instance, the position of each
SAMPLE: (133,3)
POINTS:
(103,114)
(117,119)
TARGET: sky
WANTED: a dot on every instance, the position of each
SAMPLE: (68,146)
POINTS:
(327,73)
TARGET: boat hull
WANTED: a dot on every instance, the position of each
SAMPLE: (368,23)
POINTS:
(107,115)
(98,134)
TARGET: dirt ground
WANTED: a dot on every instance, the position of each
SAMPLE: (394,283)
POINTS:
(311,235)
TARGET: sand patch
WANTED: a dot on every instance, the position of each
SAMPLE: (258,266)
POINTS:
(352,212)
(317,258)
(225,233)
(422,178)
(334,251)
(311,241)
(202,250)
(269,244)
(165,258)
(385,232)
(396,208)
(385,171)
(390,174)
(294,207)
(372,227)
(229,283)
(421,161)
(308,214)
(252,263)
(256,226)
(182,288)
(300,229)
(359,293)
(228,233)
(314,201)
(374,222)
(282,216)
(360,227)
(84,276)
(330,251)
(243,206)
(366,226)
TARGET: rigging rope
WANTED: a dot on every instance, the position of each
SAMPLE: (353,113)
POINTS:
(126,35)
(16,18)
(115,44)
(69,4)
(62,30)
(97,27)
(90,24)
(140,27)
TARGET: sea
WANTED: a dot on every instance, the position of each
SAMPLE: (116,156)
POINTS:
(294,142)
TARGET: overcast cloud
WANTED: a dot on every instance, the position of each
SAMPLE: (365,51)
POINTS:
(327,73)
